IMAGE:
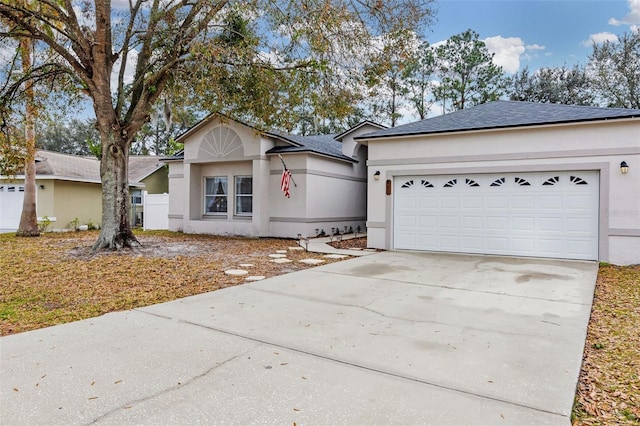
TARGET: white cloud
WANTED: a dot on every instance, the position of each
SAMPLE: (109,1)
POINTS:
(132,59)
(507,52)
(535,47)
(600,38)
(631,18)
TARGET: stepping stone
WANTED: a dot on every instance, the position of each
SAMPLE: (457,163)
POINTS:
(277,256)
(335,256)
(281,251)
(369,249)
(236,272)
(312,261)
(281,260)
(255,278)
(297,248)
(246,265)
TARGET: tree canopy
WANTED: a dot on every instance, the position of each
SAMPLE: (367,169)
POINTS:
(467,73)
(614,71)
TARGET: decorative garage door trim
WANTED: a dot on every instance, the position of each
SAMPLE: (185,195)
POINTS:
(540,214)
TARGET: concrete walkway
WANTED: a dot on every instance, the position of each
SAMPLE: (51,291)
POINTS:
(391,338)
(321,245)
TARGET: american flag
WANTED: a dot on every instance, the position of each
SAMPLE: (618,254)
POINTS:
(286,179)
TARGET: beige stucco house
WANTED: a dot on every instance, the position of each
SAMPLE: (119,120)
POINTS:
(69,187)
(227,181)
(509,178)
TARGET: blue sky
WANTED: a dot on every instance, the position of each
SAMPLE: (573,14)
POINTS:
(536,33)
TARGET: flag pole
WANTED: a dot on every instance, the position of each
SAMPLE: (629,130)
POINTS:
(286,168)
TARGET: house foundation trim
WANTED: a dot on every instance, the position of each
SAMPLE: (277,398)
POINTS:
(315,219)
(621,232)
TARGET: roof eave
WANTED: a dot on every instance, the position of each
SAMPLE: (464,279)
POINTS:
(319,154)
(479,129)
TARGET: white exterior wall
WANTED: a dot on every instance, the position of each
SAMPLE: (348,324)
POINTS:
(329,193)
(219,148)
(598,146)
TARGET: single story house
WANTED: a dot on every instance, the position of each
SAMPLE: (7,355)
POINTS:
(69,187)
(509,178)
(228,181)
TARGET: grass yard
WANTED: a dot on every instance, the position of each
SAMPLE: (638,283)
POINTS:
(609,387)
(54,279)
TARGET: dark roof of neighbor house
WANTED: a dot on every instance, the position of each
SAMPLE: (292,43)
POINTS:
(504,114)
(87,169)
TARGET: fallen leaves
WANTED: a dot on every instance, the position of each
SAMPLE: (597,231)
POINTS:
(55,278)
(609,387)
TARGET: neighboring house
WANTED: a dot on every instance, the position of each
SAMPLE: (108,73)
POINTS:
(509,178)
(227,181)
(69,187)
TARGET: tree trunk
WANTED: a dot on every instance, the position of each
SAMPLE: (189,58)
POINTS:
(116,225)
(29,218)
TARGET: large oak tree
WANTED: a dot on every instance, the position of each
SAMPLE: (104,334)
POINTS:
(170,44)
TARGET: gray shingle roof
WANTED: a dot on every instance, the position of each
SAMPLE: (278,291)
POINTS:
(504,114)
(319,144)
(74,167)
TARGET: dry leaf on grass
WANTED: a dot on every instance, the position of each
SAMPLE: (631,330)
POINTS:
(55,278)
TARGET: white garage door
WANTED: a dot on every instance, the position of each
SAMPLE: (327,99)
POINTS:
(11,196)
(550,214)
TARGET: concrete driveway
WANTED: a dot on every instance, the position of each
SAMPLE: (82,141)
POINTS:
(391,338)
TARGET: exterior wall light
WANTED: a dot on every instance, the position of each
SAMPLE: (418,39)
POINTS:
(376,175)
(624,168)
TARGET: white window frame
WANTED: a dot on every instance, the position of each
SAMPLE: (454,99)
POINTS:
(209,198)
(238,195)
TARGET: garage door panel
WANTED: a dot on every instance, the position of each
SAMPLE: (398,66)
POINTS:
(448,221)
(497,223)
(523,224)
(426,240)
(475,244)
(580,225)
(550,202)
(449,242)
(520,202)
(543,214)
(449,202)
(11,199)
(550,224)
(473,202)
(497,245)
(579,247)
(424,202)
(472,223)
(428,221)
(407,240)
(407,220)
(525,246)
(405,202)
(579,202)
(497,202)
(551,245)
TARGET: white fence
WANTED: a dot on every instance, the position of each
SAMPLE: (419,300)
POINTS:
(155,211)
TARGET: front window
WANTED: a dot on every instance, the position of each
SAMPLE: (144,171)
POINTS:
(244,195)
(216,192)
